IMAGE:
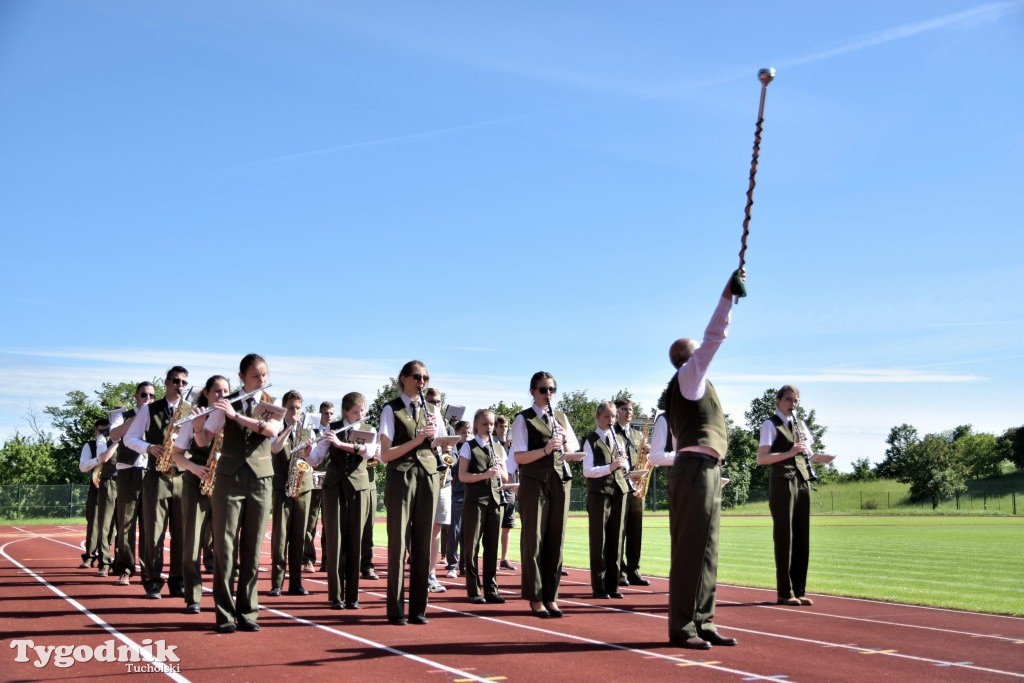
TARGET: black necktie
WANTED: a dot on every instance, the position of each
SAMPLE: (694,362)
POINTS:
(412,410)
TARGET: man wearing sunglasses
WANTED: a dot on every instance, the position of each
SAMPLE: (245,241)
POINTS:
(161,491)
(131,470)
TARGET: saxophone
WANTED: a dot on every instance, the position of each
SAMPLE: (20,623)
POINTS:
(206,485)
(642,461)
(297,469)
(166,461)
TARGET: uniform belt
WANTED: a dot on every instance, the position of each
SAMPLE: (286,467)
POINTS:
(696,454)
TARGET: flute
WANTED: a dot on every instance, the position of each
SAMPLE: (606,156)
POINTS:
(206,411)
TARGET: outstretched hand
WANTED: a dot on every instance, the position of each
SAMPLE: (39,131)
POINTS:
(737,285)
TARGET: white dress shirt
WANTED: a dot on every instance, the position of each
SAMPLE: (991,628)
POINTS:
(86,461)
(589,470)
(322,448)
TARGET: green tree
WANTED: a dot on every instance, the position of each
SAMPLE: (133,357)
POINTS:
(1011,446)
(933,470)
(900,439)
(75,422)
(387,393)
(862,470)
(740,465)
(980,455)
(28,460)
(509,411)
(580,411)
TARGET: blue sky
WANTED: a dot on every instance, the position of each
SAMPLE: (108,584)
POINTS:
(500,188)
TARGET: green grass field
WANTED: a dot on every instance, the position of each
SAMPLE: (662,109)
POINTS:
(971,563)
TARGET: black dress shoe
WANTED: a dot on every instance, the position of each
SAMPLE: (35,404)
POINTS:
(352,605)
(494,599)
(542,613)
(477,600)
(715,638)
(336,604)
(192,608)
(274,592)
(637,580)
(248,626)
(600,595)
(554,611)
(565,572)
(227,628)
(623,581)
(691,643)
(155,594)
(418,619)
(298,591)
(615,594)
(400,621)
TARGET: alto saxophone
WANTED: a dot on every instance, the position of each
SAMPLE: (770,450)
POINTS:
(166,461)
(297,469)
(642,460)
(206,485)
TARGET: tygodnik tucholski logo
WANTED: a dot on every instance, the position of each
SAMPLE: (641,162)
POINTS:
(150,657)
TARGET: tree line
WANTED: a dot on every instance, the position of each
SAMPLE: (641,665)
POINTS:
(936,466)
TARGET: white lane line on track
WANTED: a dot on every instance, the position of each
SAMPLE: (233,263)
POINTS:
(177,677)
(135,647)
(613,646)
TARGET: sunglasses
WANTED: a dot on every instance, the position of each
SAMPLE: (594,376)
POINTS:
(421,378)
(147,395)
(547,390)
(177,381)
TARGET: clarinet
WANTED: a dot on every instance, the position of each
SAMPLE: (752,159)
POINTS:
(799,436)
(566,473)
(441,466)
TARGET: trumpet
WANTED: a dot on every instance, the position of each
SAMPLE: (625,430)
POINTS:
(443,461)
(207,411)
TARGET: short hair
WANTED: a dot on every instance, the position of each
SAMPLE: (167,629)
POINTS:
(605,404)
(351,400)
(325,404)
(431,392)
(100,423)
(782,392)
(144,384)
(461,424)
(498,419)
(174,371)
(290,395)
(623,403)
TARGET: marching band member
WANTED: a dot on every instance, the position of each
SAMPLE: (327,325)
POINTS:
(161,491)
(410,493)
(290,513)
(309,549)
(345,499)
(544,485)
(131,471)
(604,466)
(196,510)
(455,552)
(700,441)
(783,446)
(97,452)
(481,467)
(241,496)
(443,511)
(633,526)
(508,499)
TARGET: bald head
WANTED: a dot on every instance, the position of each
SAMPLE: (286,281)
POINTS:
(681,350)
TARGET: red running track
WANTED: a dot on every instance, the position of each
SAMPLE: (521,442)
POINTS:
(46,599)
